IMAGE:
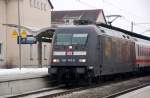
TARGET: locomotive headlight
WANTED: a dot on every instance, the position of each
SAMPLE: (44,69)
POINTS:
(82,60)
(55,60)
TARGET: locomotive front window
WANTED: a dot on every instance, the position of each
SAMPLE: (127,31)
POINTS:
(69,39)
(79,39)
(63,39)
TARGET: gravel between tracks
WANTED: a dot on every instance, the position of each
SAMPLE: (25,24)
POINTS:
(106,90)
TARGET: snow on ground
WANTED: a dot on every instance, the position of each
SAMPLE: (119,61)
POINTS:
(16,71)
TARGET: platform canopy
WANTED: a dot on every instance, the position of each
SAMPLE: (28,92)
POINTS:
(42,34)
(45,34)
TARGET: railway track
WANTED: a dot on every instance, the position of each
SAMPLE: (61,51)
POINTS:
(38,93)
(127,91)
(108,89)
(65,92)
(49,92)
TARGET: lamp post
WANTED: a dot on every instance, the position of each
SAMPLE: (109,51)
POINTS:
(19,32)
(132,26)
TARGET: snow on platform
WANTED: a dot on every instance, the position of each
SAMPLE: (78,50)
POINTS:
(16,73)
(140,93)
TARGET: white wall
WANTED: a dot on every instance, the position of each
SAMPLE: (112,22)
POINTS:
(29,16)
(2,32)
(46,51)
(36,17)
(12,46)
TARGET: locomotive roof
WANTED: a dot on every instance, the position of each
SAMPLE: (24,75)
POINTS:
(124,31)
(110,27)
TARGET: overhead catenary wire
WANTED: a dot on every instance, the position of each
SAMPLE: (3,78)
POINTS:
(111,4)
(121,10)
(139,25)
(131,14)
(87,4)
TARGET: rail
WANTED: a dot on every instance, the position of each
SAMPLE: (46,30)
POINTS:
(127,91)
(35,92)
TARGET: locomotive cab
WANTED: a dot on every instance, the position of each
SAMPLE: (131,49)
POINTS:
(71,55)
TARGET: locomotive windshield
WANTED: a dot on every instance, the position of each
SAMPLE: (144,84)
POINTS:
(63,39)
(69,39)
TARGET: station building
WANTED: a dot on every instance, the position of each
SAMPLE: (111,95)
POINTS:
(34,14)
(36,19)
(67,17)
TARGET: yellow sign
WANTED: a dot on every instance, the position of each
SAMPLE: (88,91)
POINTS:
(14,34)
(24,34)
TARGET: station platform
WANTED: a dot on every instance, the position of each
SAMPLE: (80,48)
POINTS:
(23,73)
(16,81)
(140,93)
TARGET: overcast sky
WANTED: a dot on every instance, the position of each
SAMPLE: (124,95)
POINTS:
(130,10)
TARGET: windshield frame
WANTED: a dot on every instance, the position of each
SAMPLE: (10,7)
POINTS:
(75,39)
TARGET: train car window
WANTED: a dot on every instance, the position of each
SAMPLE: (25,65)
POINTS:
(138,51)
(145,51)
(142,51)
(148,51)
(79,39)
(63,39)
(0,48)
